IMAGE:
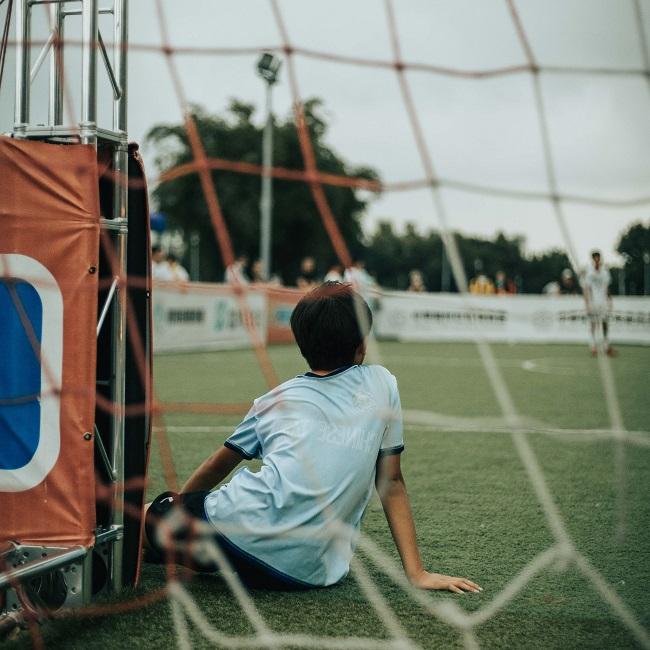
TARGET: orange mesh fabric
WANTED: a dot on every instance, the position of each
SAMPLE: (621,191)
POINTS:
(49,219)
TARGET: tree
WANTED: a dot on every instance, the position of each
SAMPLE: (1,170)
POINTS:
(488,257)
(391,256)
(543,268)
(297,227)
(633,245)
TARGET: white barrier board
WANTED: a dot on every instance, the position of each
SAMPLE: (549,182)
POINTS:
(559,319)
(200,316)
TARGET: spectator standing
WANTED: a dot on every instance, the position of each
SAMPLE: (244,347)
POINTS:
(551,288)
(481,285)
(335,274)
(568,284)
(235,273)
(504,286)
(358,277)
(416,282)
(160,270)
(500,283)
(258,278)
(308,276)
(256,272)
(177,271)
(364,284)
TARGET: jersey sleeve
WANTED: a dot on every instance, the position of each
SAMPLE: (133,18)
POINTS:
(393,439)
(245,440)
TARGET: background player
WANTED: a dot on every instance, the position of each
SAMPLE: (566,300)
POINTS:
(598,299)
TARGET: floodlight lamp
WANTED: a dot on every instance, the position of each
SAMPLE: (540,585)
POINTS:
(268,67)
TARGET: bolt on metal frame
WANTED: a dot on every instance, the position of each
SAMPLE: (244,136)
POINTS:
(87,131)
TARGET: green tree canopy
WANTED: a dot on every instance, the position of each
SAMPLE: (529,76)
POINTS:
(633,245)
(391,256)
(297,226)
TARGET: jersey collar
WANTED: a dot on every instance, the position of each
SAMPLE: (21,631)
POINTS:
(338,371)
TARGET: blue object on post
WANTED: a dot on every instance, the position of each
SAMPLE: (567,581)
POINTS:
(158,221)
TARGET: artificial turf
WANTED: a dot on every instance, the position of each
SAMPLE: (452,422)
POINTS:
(475,507)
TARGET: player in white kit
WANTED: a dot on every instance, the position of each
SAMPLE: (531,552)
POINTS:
(599,302)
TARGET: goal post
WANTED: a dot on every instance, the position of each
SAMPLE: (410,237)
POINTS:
(77,396)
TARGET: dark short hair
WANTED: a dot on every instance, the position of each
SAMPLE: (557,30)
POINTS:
(595,252)
(329,323)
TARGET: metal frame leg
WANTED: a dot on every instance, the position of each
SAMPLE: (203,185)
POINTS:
(23,66)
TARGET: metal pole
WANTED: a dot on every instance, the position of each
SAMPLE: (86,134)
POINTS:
(121,38)
(120,211)
(621,281)
(266,200)
(444,271)
(88,125)
(56,66)
(195,253)
(118,336)
(23,65)
(59,558)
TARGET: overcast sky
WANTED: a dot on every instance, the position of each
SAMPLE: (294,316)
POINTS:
(483,131)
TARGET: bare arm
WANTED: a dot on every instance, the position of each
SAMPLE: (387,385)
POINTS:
(213,470)
(397,508)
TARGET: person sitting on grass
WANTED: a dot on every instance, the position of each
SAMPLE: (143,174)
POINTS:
(324,438)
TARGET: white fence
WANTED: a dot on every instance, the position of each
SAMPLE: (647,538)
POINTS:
(543,319)
(208,317)
(201,316)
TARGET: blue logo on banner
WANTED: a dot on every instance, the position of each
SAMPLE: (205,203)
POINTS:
(20,373)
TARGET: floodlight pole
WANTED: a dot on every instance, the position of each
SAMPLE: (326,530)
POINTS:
(23,66)
(266,200)
(57,64)
(267,67)
(88,123)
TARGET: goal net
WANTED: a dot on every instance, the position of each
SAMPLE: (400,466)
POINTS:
(439,192)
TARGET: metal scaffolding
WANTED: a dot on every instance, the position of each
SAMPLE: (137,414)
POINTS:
(35,561)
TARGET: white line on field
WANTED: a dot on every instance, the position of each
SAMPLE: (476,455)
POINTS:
(466,425)
(216,428)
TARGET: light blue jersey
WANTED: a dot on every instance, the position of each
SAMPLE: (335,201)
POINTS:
(319,439)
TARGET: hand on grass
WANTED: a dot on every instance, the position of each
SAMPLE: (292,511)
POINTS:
(426,580)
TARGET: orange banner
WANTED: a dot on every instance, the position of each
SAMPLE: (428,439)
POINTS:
(49,234)
(280,305)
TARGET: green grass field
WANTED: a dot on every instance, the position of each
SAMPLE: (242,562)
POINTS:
(475,507)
